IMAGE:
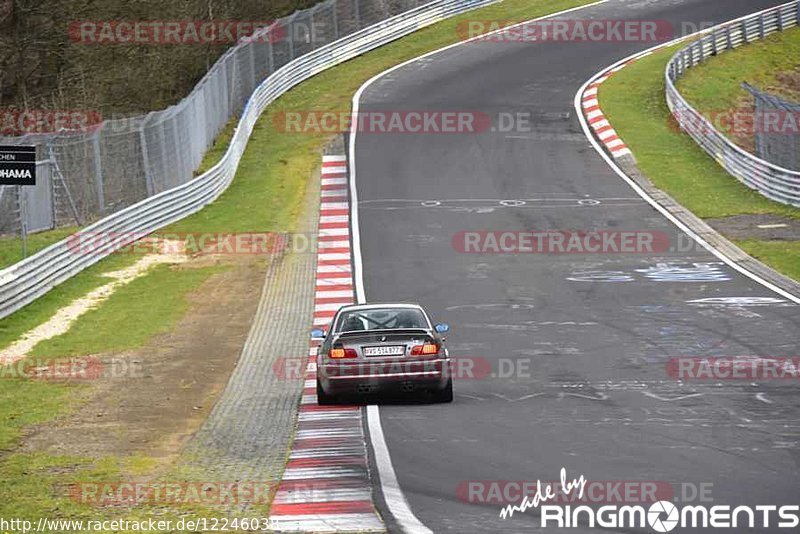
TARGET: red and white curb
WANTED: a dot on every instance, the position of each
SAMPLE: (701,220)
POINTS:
(597,120)
(326,485)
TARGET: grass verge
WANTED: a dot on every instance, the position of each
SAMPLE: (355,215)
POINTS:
(766,64)
(147,306)
(633,100)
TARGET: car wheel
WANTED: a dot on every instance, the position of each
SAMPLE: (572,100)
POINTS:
(322,397)
(445,394)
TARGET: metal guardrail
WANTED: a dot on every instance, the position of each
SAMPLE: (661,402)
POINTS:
(772,181)
(120,161)
(31,278)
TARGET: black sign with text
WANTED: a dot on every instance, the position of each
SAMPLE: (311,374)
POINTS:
(17,165)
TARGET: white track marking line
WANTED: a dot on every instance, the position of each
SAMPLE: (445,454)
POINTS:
(317,433)
(641,192)
(321,495)
(393,495)
(333,170)
(334,306)
(332,282)
(326,232)
(322,270)
(334,206)
(345,296)
(329,415)
(337,471)
(334,219)
(327,452)
(389,485)
(333,244)
(328,256)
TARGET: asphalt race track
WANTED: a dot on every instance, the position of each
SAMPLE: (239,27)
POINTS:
(596,330)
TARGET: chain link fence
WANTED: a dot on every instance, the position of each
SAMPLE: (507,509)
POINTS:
(123,161)
(777,134)
(24,203)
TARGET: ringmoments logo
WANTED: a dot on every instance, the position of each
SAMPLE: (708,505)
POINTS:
(660,516)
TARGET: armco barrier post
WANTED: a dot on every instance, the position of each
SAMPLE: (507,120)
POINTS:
(98,172)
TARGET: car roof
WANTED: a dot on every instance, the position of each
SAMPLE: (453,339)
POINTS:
(373,306)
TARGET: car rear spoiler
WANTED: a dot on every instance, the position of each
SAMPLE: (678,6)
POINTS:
(358,333)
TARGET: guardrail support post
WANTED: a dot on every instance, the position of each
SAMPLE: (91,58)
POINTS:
(270,59)
(251,53)
(98,173)
(53,209)
(148,173)
(334,5)
(23,219)
(290,36)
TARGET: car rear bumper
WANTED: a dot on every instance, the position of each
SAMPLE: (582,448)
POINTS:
(378,376)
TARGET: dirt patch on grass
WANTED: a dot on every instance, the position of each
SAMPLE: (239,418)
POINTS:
(787,85)
(62,321)
(155,397)
(761,227)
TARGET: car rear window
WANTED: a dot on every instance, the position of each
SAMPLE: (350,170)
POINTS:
(381,319)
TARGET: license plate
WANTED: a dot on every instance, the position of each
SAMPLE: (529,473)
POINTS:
(391,350)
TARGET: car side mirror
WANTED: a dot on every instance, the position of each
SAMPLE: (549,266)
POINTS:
(442,327)
(317,334)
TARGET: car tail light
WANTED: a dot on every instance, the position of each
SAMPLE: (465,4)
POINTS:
(428,349)
(340,353)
